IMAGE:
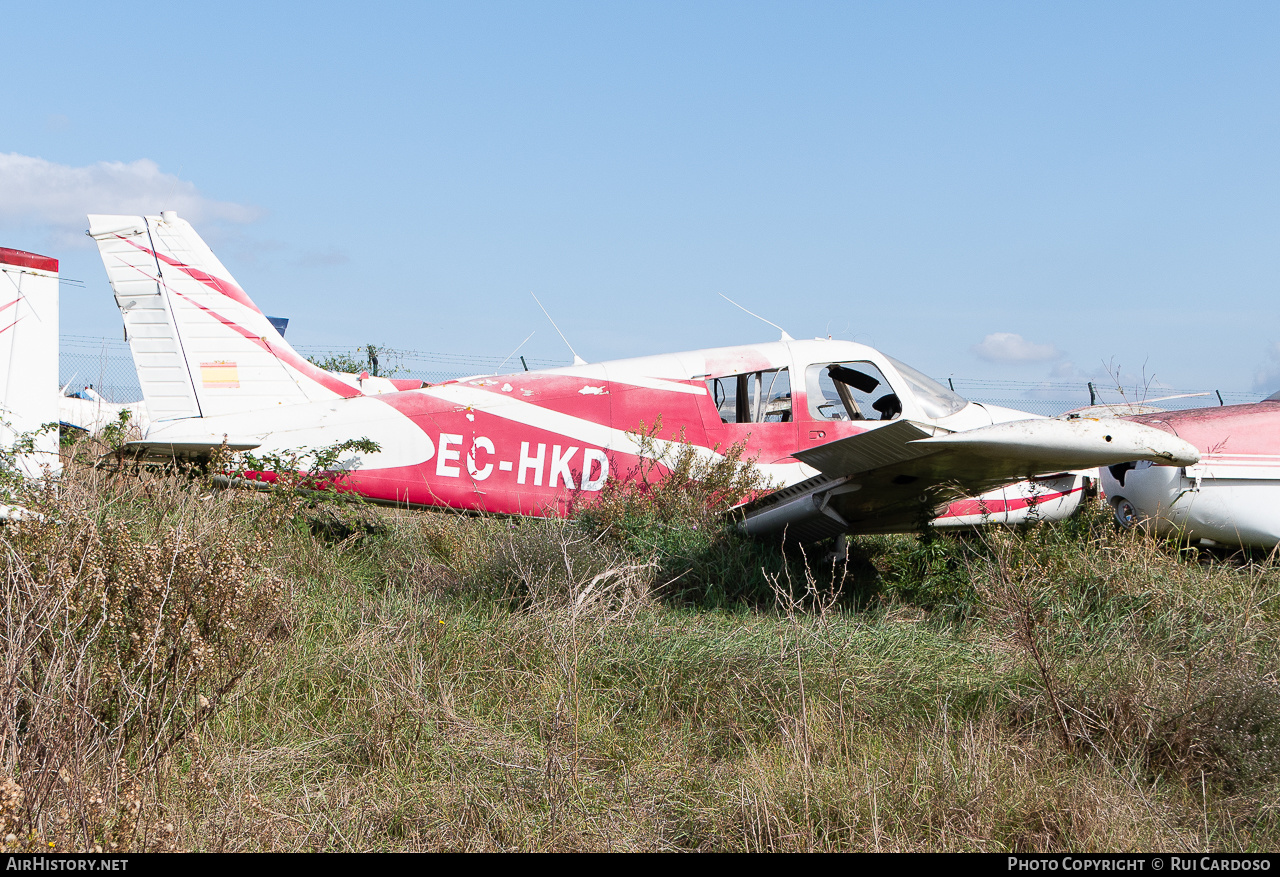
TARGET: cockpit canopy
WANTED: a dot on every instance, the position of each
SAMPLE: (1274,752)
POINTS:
(844,390)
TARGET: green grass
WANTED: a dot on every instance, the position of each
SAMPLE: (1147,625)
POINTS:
(439,681)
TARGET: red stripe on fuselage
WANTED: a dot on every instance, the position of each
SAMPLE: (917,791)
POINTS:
(689,417)
(500,492)
(495,437)
(964,507)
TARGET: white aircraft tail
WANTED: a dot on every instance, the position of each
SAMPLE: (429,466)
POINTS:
(200,345)
(29,357)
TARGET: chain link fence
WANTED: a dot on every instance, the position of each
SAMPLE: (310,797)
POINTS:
(107,365)
(1053,398)
(102,363)
(423,365)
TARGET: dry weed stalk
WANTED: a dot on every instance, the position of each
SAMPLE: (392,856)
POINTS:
(1012,588)
(813,601)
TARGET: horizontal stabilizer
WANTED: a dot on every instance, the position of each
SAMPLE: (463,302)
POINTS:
(154,450)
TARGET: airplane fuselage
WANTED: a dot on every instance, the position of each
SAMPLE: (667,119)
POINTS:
(533,443)
(1231,496)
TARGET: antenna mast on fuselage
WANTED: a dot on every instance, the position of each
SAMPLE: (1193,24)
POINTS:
(785,336)
(577,360)
(517,350)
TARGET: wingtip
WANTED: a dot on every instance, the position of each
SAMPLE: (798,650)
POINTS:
(1188,456)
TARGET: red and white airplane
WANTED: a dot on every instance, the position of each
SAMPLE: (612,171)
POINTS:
(29,360)
(853,440)
(1232,496)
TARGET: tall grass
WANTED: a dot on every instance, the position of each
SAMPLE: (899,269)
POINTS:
(191,668)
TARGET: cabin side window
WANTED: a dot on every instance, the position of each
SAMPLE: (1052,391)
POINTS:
(850,391)
(753,397)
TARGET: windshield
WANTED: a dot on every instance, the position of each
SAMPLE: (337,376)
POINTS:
(936,400)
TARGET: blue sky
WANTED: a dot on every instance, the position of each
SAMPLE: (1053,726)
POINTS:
(1009,191)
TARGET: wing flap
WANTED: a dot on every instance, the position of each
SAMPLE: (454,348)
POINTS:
(886,445)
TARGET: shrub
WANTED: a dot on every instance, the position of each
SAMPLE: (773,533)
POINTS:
(675,511)
(118,644)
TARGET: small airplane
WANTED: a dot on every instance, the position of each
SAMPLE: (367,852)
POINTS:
(85,410)
(28,367)
(1231,497)
(852,440)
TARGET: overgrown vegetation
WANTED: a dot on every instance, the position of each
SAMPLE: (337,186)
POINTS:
(673,511)
(366,359)
(193,668)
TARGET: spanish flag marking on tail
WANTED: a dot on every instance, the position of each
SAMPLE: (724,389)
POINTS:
(221,375)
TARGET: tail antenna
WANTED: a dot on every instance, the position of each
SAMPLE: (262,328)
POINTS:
(785,336)
(577,360)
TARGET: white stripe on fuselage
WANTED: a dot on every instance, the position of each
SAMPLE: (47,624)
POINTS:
(405,441)
(587,431)
(631,380)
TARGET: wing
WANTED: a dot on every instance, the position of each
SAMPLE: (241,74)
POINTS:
(893,478)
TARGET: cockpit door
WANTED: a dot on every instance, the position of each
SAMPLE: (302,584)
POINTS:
(843,399)
(755,408)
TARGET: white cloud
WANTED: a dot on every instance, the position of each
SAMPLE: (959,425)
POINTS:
(1010,347)
(1267,377)
(1068,371)
(36,192)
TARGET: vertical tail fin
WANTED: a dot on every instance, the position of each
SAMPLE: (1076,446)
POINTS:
(200,345)
(29,356)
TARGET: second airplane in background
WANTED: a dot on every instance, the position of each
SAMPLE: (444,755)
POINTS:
(1232,497)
